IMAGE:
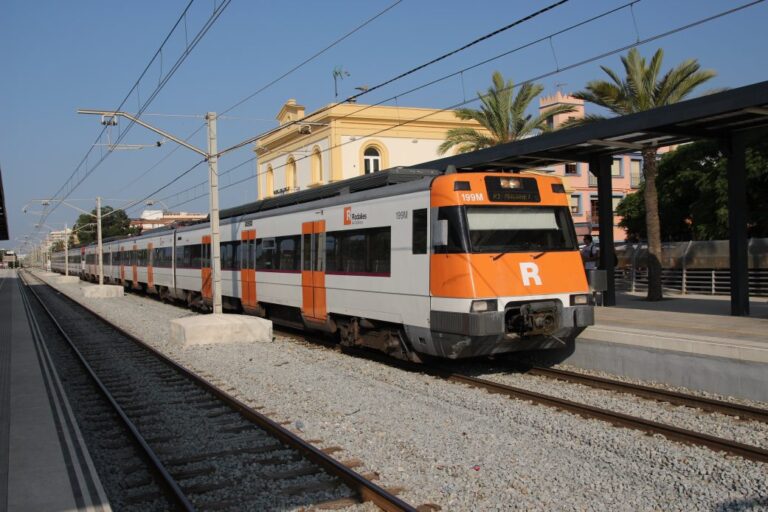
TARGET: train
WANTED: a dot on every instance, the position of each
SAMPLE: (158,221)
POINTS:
(416,263)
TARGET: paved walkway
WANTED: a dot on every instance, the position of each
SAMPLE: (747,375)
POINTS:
(690,341)
(44,464)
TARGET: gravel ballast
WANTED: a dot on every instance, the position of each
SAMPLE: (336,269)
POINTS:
(459,447)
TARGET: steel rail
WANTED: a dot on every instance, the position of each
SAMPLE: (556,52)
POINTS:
(623,420)
(366,489)
(664,395)
(181,499)
(616,418)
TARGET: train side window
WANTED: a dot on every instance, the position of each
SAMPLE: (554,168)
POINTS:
(420,231)
(288,250)
(331,252)
(306,251)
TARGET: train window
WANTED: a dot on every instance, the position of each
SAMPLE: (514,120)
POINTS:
(359,251)
(520,228)
(306,252)
(457,229)
(419,237)
(229,255)
(107,258)
(331,257)
(288,248)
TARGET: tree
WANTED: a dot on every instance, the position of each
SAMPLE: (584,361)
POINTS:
(692,184)
(642,89)
(112,224)
(57,246)
(503,115)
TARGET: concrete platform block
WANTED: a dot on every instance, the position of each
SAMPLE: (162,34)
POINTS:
(66,279)
(214,329)
(105,291)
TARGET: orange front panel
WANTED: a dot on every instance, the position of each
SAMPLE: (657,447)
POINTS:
(150,273)
(480,276)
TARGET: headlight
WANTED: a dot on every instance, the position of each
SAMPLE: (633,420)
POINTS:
(581,300)
(478,306)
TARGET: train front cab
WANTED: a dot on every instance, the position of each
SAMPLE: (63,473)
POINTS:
(505,271)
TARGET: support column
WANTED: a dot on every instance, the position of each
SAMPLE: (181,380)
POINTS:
(737,225)
(98,235)
(601,167)
(213,178)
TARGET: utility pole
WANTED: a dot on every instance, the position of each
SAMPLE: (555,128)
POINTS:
(213,179)
(98,235)
(66,251)
(212,156)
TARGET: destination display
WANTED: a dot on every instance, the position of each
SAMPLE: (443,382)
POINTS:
(512,189)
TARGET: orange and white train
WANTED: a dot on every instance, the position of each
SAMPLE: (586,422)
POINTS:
(411,262)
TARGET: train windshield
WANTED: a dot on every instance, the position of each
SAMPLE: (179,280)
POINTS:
(494,229)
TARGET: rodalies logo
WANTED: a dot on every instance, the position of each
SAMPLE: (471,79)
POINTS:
(353,218)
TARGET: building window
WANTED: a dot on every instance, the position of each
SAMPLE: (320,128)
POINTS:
(635,172)
(592,180)
(371,160)
(270,186)
(571,169)
(290,175)
(576,204)
(617,168)
(615,200)
(317,166)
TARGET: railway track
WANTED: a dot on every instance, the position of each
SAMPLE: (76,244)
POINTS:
(211,451)
(661,395)
(619,419)
(616,418)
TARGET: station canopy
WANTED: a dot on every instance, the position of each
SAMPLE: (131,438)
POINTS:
(713,116)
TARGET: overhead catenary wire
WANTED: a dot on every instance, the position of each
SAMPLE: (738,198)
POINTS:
(72,183)
(402,75)
(432,82)
(541,76)
(274,81)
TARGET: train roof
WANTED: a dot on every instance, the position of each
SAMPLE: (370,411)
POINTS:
(387,178)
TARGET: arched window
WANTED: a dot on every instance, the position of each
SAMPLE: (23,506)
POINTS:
(317,166)
(270,185)
(290,174)
(371,160)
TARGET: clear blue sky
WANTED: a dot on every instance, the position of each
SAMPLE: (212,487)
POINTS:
(60,56)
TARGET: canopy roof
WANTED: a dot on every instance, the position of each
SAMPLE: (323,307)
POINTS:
(716,115)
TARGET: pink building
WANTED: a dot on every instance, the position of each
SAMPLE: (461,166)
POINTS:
(582,185)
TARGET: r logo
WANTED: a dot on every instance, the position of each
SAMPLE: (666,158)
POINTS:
(347,215)
(528,271)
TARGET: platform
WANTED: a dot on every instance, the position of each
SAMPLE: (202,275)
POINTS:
(690,341)
(44,464)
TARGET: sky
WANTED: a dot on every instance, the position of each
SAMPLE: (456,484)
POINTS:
(57,57)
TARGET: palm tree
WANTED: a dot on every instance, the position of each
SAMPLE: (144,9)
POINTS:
(503,115)
(640,90)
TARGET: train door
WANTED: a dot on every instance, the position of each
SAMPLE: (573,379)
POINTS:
(135,266)
(313,270)
(122,265)
(150,272)
(205,268)
(248,269)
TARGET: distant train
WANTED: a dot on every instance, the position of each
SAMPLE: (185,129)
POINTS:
(410,262)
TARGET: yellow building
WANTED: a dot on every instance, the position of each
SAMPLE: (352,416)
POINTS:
(347,140)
